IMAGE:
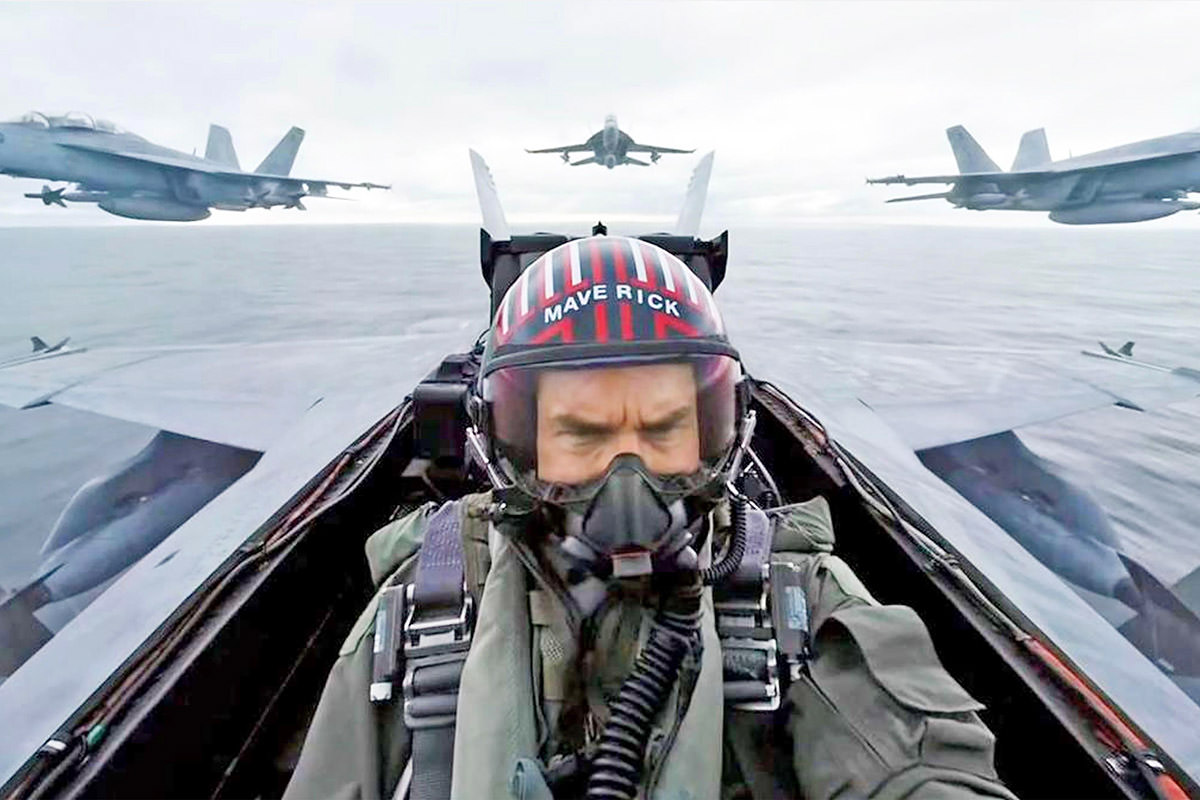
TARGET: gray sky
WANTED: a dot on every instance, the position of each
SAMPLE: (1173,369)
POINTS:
(800,100)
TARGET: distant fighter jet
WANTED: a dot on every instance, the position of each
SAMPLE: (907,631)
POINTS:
(1129,183)
(131,177)
(610,147)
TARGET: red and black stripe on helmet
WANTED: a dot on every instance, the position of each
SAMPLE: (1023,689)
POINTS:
(605,296)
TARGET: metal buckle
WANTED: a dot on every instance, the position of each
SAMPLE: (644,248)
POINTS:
(744,618)
(771,686)
(428,643)
(746,624)
(439,634)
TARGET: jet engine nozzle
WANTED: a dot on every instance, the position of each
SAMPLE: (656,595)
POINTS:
(48,196)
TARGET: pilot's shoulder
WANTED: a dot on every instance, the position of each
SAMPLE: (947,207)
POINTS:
(389,546)
(803,535)
(803,527)
(392,552)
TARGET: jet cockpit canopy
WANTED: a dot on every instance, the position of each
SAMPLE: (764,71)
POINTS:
(74,119)
(71,119)
(33,118)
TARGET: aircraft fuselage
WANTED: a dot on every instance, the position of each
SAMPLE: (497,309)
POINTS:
(1128,183)
(104,165)
(610,145)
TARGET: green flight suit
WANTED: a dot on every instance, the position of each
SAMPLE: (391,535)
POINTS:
(873,715)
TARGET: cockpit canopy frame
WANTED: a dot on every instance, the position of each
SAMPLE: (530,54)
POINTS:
(76,120)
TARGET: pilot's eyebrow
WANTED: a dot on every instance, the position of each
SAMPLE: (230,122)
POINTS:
(569,423)
(668,421)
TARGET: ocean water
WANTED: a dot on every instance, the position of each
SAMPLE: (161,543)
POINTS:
(849,293)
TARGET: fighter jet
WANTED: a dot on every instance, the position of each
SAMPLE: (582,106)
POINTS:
(196,670)
(129,176)
(1128,183)
(610,147)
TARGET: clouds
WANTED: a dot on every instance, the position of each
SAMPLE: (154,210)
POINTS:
(801,101)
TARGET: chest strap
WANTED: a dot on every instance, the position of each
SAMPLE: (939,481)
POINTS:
(427,626)
(762,619)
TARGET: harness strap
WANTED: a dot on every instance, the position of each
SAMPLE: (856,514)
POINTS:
(436,637)
(762,619)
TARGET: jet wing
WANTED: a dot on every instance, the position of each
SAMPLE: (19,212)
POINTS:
(956,394)
(172,162)
(1020,176)
(570,148)
(240,395)
(992,177)
(649,148)
(316,186)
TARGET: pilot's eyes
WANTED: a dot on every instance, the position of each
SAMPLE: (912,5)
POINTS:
(662,430)
(589,435)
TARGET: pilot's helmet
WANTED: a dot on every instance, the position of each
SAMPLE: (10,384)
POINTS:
(607,302)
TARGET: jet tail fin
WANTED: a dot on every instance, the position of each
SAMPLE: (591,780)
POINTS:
(967,152)
(1166,629)
(1033,151)
(220,147)
(688,223)
(40,346)
(279,161)
(1125,351)
(494,221)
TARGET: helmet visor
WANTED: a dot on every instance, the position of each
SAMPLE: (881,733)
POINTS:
(565,423)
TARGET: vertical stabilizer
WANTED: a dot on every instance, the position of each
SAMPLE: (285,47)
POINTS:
(968,153)
(280,160)
(1033,152)
(494,221)
(220,147)
(688,223)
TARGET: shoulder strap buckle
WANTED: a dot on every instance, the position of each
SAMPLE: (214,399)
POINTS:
(435,650)
(749,650)
(437,633)
(751,674)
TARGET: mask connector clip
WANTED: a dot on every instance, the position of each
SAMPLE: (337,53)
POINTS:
(478,453)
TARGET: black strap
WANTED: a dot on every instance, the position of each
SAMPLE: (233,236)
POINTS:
(749,651)
(440,570)
(437,637)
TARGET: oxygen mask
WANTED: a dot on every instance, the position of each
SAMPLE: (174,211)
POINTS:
(628,522)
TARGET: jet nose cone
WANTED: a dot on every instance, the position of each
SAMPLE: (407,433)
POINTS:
(610,161)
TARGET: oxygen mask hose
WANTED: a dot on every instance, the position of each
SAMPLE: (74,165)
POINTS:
(737,544)
(617,767)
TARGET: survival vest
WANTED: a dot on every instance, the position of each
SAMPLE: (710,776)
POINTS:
(459,642)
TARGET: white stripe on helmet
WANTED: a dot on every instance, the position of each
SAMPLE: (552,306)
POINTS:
(638,265)
(573,257)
